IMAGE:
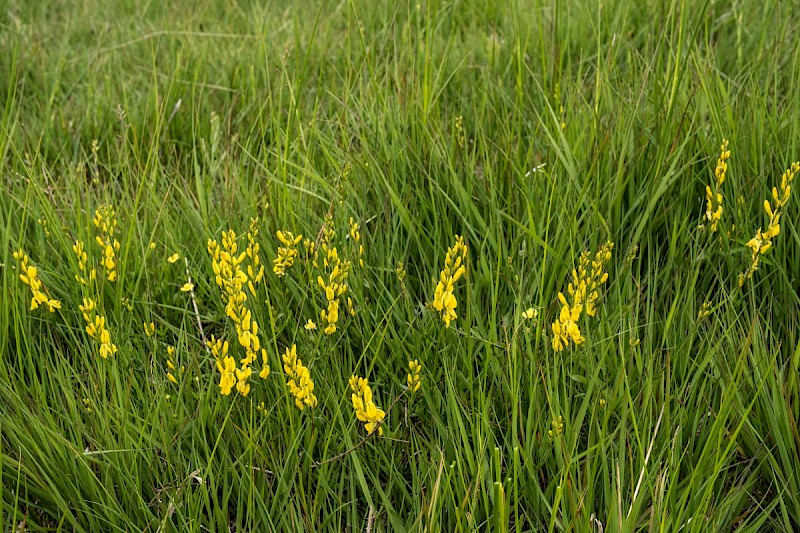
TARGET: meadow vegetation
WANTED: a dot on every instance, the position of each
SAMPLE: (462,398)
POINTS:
(445,265)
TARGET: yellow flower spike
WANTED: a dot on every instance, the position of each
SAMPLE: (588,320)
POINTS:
(583,291)
(298,380)
(242,377)
(365,409)
(173,258)
(265,370)
(227,368)
(286,253)
(444,301)
(106,223)
(413,379)
(761,243)
(30,276)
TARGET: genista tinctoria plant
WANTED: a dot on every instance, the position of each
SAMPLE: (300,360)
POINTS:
(231,279)
(583,292)
(762,242)
(444,301)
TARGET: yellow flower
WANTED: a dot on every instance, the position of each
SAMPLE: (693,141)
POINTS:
(255,270)
(714,198)
(242,377)
(264,374)
(226,368)
(298,380)
(30,276)
(187,287)
(105,220)
(310,325)
(762,242)
(444,301)
(566,327)
(149,328)
(530,313)
(171,377)
(173,258)
(96,328)
(286,253)
(365,408)
(413,379)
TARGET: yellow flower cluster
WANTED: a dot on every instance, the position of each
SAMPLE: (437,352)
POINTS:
(85,275)
(96,328)
(365,408)
(298,379)
(762,242)
(286,253)
(311,252)
(557,427)
(714,198)
(444,301)
(355,234)
(225,364)
(583,291)
(170,364)
(149,328)
(29,275)
(334,288)
(413,379)
(255,270)
(231,279)
(105,220)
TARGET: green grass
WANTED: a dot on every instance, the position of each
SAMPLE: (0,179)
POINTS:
(208,113)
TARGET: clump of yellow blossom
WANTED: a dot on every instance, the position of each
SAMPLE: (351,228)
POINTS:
(298,379)
(170,364)
(334,287)
(149,328)
(714,197)
(705,310)
(96,328)
(762,242)
(311,252)
(173,258)
(355,235)
(557,427)
(286,253)
(310,325)
(225,364)
(583,291)
(105,220)
(43,223)
(530,313)
(231,279)
(29,275)
(413,379)
(365,408)
(255,270)
(444,301)
(85,275)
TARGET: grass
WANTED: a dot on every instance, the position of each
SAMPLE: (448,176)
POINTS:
(209,113)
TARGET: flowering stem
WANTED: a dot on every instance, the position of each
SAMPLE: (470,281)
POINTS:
(365,439)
